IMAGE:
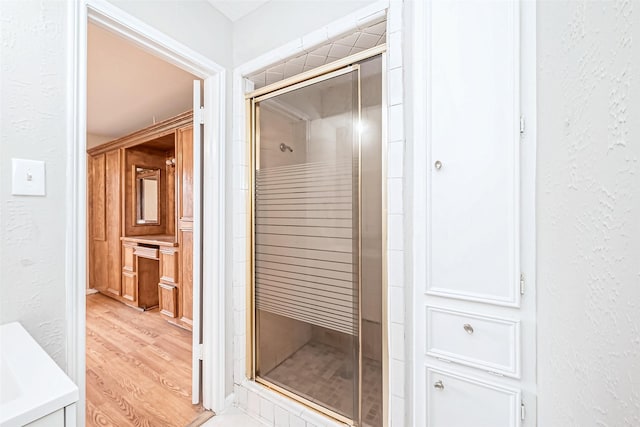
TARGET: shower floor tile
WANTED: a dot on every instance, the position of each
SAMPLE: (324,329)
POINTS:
(323,374)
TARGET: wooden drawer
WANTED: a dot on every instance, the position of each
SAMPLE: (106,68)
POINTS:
(145,252)
(457,401)
(487,343)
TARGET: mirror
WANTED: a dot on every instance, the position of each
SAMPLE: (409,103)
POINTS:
(147,189)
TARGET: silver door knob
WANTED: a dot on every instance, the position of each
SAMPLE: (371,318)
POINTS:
(468,328)
(438,385)
(438,165)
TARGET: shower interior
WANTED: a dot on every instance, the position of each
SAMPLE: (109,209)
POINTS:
(318,242)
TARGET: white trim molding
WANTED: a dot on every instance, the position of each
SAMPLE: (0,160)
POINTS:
(213,225)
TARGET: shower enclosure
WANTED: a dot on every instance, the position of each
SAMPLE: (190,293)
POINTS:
(317,233)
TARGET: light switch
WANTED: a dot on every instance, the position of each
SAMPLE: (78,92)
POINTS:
(27,178)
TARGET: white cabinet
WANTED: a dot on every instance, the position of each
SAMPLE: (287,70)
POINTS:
(488,343)
(55,419)
(475,336)
(456,401)
(474,151)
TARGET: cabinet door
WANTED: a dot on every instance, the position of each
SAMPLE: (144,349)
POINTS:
(186,276)
(130,285)
(113,223)
(457,401)
(98,245)
(474,154)
(184,172)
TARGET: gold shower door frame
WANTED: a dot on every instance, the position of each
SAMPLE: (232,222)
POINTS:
(335,69)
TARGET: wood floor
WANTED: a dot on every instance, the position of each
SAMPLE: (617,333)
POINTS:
(138,367)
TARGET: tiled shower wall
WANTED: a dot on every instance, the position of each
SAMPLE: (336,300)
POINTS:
(259,402)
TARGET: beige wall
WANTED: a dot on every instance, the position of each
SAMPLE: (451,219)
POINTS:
(94,140)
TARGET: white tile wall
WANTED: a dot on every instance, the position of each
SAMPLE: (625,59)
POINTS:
(262,404)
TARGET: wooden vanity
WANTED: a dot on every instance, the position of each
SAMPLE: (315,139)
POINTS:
(141,219)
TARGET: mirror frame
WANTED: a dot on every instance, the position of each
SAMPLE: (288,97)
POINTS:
(146,172)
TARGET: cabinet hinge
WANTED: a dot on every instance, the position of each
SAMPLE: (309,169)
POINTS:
(521,284)
(522,410)
(201,121)
(201,351)
(521,125)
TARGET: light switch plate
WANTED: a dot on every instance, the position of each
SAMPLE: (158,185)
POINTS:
(27,178)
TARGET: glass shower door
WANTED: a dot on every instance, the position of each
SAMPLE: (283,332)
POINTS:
(307,242)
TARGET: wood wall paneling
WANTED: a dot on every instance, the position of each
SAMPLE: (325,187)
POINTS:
(136,273)
(112,189)
(184,151)
(98,246)
(170,173)
(186,276)
(98,215)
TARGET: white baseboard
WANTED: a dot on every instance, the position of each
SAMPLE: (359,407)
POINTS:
(92,291)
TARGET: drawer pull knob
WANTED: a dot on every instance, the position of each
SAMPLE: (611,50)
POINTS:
(468,328)
(438,384)
(438,165)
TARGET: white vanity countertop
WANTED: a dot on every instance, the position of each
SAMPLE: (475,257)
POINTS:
(31,384)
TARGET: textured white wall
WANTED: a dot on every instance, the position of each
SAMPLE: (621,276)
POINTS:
(33,126)
(280,21)
(588,212)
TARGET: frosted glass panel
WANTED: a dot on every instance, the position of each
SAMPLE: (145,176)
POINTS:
(306,238)
(318,243)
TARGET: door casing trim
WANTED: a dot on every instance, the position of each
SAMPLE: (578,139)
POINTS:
(210,228)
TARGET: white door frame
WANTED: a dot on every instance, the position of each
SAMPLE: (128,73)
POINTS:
(213,174)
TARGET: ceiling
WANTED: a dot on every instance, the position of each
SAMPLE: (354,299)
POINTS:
(236,9)
(128,89)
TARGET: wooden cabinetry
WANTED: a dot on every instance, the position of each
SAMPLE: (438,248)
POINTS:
(104,225)
(144,263)
(168,285)
(184,174)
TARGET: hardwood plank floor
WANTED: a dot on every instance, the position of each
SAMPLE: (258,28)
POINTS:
(138,367)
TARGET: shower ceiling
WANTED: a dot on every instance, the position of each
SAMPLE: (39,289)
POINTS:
(366,38)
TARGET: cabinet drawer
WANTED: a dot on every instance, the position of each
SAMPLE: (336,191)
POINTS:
(457,401)
(145,252)
(486,343)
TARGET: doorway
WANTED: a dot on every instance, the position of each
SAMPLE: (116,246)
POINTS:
(209,165)
(318,241)
(140,161)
